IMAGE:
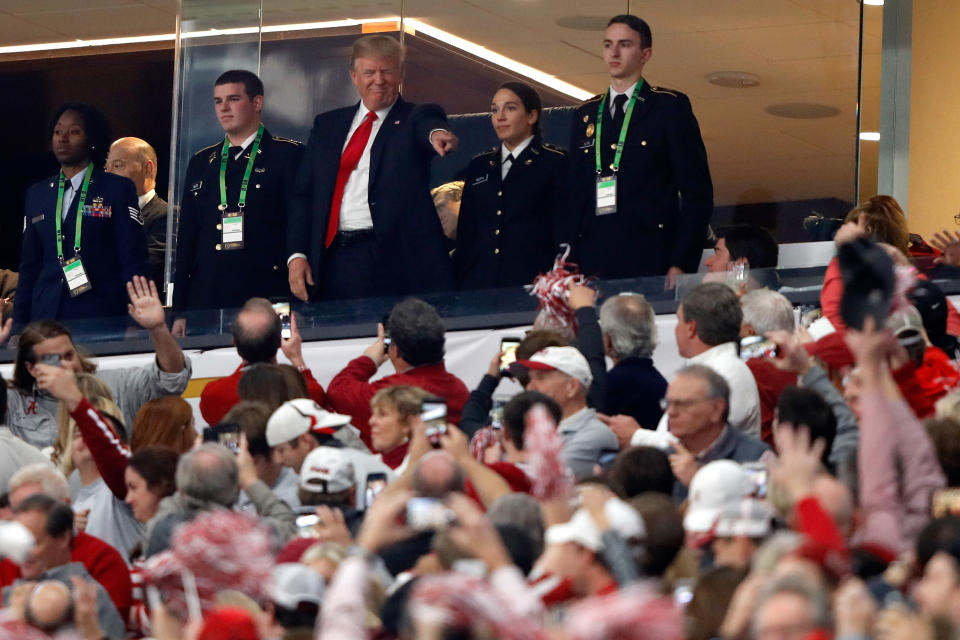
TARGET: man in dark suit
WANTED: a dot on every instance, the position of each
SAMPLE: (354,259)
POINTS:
(644,208)
(83,237)
(231,245)
(135,159)
(365,223)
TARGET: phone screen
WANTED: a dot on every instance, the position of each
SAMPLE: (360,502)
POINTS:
(282,309)
(386,334)
(226,434)
(757,347)
(427,513)
(433,412)
(508,352)
(375,484)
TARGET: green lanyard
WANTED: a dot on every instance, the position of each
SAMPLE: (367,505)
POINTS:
(224,155)
(623,128)
(81,200)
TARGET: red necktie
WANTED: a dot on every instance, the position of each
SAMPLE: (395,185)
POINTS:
(348,162)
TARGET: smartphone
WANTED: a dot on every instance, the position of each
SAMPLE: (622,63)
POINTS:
(282,309)
(227,434)
(433,412)
(52,359)
(428,513)
(946,502)
(375,484)
(496,414)
(386,334)
(757,472)
(682,592)
(306,523)
(757,347)
(508,352)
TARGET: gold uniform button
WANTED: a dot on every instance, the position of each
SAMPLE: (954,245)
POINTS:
(497,232)
(499,212)
(611,166)
(660,226)
(499,193)
(276,268)
(585,151)
(613,145)
(496,252)
(643,143)
(219,227)
(258,185)
(219,247)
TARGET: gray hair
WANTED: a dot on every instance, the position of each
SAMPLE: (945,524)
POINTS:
(377,46)
(716,310)
(520,510)
(815,597)
(629,321)
(209,474)
(766,310)
(717,386)
(52,481)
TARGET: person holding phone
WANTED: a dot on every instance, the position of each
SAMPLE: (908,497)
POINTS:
(512,211)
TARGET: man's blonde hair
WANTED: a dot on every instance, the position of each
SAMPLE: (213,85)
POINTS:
(376,47)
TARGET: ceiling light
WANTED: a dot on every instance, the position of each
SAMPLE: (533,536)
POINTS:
(733,79)
(472,48)
(873,3)
(870,136)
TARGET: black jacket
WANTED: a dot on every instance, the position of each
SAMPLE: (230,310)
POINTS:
(664,191)
(509,230)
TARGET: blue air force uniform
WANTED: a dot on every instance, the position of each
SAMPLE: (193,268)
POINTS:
(510,229)
(113,250)
(664,192)
(211,276)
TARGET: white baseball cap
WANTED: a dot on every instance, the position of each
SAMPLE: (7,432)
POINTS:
(327,470)
(293,584)
(715,486)
(749,517)
(580,529)
(566,360)
(296,417)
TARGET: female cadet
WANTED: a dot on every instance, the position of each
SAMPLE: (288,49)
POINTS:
(512,210)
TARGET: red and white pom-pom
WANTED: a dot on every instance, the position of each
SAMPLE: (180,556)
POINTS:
(550,477)
(636,612)
(552,290)
(456,601)
(483,439)
(904,280)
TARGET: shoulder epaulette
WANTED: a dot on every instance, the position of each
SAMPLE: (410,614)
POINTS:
(212,147)
(595,98)
(287,140)
(485,153)
(554,148)
(669,92)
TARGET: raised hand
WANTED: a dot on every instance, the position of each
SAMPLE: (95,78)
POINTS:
(948,242)
(145,306)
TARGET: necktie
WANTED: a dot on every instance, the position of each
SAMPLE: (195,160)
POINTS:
(232,152)
(506,166)
(618,108)
(67,199)
(348,162)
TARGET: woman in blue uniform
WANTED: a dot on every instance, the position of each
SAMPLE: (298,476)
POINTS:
(83,238)
(513,204)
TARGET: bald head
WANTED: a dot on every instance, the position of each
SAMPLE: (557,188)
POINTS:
(437,474)
(50,606)
(256,331)
(135,159)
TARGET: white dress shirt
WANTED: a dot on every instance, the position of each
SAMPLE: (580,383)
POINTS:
(614,93)
(355,206)
(145,198)
(504,152)
(70,189)
(243,145)
(744,397)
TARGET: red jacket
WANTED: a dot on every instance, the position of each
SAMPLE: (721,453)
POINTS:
(219,396)
(102,562)
(350,391)
(770,383)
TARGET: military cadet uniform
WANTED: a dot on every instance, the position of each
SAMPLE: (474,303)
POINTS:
(212,274)
(664,195)
(113,249)
(509,229)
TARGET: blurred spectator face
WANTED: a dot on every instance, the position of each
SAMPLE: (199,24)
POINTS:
(734,552)
(49,552)
(689,409)
(388,429)
(61,346)
(851,392)
(720,260)
(292,455)
(556,384)
(78,449)
(684,332)
(70,139)
(938,592)
(143,501)
(785,616)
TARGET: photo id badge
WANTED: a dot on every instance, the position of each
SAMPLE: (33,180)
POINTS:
(606,195)
(231,225)
(77,281)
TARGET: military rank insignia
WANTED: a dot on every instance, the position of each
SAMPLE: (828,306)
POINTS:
(96,209)
(590,130)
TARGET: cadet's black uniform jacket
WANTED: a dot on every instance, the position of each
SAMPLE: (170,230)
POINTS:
(664,192)
(210,277)
(509,230)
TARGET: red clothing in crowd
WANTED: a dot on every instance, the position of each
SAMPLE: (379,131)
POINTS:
(219,396)
(922,386)
(770,384)
(106,449)
(102,562)
(350,391)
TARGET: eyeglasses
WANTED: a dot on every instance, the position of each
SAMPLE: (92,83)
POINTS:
(666,403)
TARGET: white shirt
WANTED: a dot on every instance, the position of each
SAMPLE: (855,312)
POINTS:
(243,145)
(145,198)
(355,206)
(110,518)
(504,152)
(614,93)
(744,397)
(70,189)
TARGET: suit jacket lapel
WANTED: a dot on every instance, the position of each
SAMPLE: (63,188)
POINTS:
(387,130)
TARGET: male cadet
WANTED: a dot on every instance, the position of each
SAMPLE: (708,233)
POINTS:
(135,159)
(231,244)
(640,181)
(365,224)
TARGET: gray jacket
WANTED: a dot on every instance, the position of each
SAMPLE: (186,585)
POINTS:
(110,621)
(585,439)
(848,431)
(36,422)
(14,454)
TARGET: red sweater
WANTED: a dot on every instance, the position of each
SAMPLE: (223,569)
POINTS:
(770,383)
(219,396)
(108,452)
(350,391)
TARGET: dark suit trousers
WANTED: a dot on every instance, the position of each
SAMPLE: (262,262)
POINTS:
(350,272)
